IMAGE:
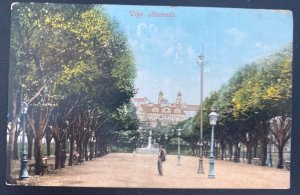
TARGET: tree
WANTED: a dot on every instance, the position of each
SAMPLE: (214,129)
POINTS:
(71,55)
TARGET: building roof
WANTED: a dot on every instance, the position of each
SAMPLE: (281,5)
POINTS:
(192,108)
(147,108)
(144,99)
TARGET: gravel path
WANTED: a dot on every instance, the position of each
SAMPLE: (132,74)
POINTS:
(140,171)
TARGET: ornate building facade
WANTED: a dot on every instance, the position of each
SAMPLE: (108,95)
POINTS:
(163,113)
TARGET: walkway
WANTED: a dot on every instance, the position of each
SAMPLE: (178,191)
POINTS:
(140,171)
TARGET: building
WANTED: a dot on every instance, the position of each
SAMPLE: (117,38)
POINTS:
(163,113)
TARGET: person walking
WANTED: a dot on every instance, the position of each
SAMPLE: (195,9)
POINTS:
(161,159)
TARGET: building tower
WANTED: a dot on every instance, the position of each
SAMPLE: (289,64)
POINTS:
(179,98)
(160,97)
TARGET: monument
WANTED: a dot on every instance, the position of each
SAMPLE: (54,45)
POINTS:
(150,149)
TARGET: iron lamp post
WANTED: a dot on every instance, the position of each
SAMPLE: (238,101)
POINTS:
(213,117)
(178,151)
(23,170)
(166,138)
(243,148)
(200,166)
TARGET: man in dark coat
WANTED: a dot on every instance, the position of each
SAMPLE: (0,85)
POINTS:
(161,159)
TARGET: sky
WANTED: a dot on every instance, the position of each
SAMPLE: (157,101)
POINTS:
(166,49)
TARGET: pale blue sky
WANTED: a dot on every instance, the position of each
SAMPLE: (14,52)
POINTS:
(166,49)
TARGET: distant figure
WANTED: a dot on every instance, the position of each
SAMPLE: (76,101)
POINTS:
(161,159)
(134,151)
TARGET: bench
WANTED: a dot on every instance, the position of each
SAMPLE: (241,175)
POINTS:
(44,167)
(287,164)
(256,161)
(77,160)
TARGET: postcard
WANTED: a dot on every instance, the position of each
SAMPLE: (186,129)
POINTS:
(140,96)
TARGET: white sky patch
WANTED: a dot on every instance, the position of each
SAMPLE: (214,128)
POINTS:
(169,51)
(262,46)
(140,28)
(237,35)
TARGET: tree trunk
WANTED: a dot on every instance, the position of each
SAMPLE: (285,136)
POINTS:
(96,148)
(223,148)
(91,144)
(57,154)
(264,151)
(71,150)
(280,157)
(86,156)
(29,150)
(16,149)
(230,152)
(9,177)
(80,149)
(48,142)
(63,152)
(249,153)
(38,156)
(255,151)
(236,153)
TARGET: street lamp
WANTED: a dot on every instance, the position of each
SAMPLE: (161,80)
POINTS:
(269,158)
(178,151)
(207,149)
(200,166)
(243,148)
(213,117)
(166,138)
(23,170)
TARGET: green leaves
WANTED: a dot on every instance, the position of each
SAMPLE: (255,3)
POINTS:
(255,94)
(68,54)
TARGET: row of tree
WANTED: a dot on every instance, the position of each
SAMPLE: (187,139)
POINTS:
(72,65)
(253,107)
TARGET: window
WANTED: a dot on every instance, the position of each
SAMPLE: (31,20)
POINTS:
(166,110)
(154,109)
(177,110)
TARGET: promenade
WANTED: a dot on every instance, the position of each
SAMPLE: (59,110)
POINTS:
(140,171)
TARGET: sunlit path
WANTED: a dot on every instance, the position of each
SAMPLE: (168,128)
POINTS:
(140,170)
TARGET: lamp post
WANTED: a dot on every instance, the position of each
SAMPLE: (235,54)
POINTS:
(200,166)
(213,117)
(269,158)
(166,138)
(205,147)
(23,170)
(178,151)
(243,148)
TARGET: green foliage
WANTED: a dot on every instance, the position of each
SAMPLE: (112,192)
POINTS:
(73,63)
(255,94)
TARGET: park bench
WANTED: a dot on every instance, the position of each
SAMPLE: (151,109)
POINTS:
(44,167)
(77,160)
(287,164)
(256,161)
